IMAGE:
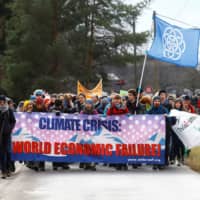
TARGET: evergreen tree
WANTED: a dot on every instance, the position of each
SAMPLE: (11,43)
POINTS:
(51,42)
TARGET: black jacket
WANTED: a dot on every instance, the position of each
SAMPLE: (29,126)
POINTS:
(7,123)
(133,109)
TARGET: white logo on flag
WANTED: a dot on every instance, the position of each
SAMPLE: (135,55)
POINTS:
(173,43)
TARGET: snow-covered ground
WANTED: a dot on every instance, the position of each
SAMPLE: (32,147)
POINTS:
(103,184)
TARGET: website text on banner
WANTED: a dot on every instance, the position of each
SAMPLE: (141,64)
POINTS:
(83,138)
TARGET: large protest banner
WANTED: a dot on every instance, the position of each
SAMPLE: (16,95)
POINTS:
(84,138)
(97,90)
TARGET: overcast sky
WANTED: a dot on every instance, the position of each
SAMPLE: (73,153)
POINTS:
(184,10)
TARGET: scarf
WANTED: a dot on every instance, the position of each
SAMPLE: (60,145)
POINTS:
(4,108)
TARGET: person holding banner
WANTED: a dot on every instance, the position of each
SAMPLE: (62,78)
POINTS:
(134,108)
(58,109)
(7,123)
(103,104)
(158,109)
(177,147)
(88,110)
(117,108)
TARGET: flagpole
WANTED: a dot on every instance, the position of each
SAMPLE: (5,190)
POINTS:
(141,78)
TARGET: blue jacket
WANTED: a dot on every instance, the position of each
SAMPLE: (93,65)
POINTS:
(157,111)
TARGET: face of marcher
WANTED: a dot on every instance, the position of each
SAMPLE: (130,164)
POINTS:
(61,97)
(94,99)
(2,103)
(186,103)
(131,97)
(30,107)
(88,106)
(178,105)
(171,102)
(53,99)
(116,101)
(39,106)
(156,103)
(81,99)
(163,96)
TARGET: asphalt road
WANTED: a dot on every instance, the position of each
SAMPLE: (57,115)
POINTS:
(178,183)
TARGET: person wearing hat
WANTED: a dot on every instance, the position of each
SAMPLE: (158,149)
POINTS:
(28,106)
(89,108)
(103,103)
(39,104)
(156,107)
(38,93)
(58,109)
(20,107)
(7,123)
(178,105)
(187,106)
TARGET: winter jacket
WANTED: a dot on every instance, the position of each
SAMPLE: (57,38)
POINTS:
(133,109)
(7,123)
(113,110)
(157,111)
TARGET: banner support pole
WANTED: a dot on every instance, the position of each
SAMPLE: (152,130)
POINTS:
(141,78)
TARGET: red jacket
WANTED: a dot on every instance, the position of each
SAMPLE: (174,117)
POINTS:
(190,109)
(117,111)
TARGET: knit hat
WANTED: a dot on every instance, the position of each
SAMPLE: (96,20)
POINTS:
(105,101)
(171,98)
(26,103)
(156,98)
(89,101)
(2,98)
(186,97)
(38,92)
(32,97)
(139,90)
(178,100)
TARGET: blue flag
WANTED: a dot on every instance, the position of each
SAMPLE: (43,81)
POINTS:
(174,44)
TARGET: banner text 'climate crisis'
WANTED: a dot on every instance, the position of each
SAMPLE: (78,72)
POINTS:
(76,125)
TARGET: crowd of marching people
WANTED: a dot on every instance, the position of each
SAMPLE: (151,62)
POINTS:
(114,104)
